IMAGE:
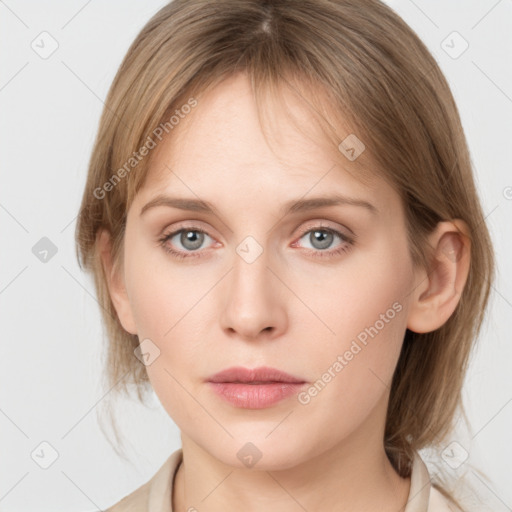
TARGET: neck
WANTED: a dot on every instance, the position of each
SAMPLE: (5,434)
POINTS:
(354,475)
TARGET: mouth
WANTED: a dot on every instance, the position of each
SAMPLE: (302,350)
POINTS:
(254,389)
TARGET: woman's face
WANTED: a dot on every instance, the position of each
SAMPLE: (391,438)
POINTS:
(319,292)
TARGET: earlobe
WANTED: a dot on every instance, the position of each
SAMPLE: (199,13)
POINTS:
(115,283)
(439,289)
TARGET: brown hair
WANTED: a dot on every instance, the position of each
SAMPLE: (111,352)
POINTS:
(375,77)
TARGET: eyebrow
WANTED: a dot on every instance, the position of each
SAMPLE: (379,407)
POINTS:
(293,206)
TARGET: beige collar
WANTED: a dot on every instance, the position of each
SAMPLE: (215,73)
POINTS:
(420,487)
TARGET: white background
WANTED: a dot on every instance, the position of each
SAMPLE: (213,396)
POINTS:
(52,337)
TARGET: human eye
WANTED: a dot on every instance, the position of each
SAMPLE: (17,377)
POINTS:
(322,237)
(191,239)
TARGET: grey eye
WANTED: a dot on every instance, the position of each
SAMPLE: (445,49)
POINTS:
(191,239)
(320,238)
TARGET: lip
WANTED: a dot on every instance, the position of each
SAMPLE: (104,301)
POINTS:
(254,389)
(263,374)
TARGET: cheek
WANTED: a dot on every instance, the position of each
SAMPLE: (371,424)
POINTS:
(363,308)
(160,291)
(168,304)
(357,293)
(167,310)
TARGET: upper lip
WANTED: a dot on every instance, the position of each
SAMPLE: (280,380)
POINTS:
(261,374)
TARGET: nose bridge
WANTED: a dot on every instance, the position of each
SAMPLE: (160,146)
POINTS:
(252,302)
(250,273)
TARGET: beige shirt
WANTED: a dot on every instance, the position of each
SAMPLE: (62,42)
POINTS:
(156,494)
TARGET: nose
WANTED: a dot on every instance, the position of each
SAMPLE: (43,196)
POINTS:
(253,299)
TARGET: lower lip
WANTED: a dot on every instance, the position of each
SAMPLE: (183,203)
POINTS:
(255,396)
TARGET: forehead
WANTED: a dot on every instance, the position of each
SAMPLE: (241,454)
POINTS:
(220,148)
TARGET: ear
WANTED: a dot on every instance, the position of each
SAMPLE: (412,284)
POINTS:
(115,283)
(438,289)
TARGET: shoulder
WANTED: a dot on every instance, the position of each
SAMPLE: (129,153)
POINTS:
(423,495)
(156,494)
(135,501)
(438,503)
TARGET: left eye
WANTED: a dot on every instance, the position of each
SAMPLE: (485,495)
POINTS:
(190,239)
(323,238)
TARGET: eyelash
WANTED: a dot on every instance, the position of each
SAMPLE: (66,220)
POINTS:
(345,247)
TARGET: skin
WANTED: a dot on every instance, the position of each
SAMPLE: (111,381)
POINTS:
(288,309)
